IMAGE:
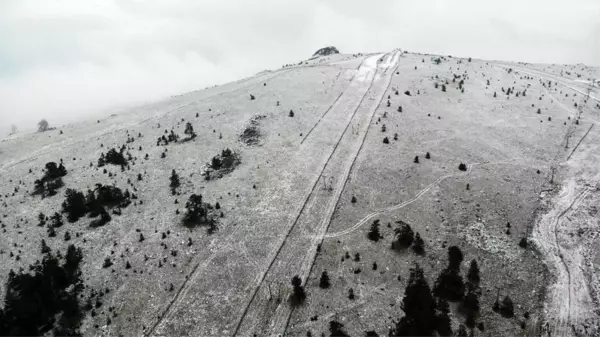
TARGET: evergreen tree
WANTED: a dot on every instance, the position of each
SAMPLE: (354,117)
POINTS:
(404,236)
(324,281)
(374,234)
(443,323)
(470,304)
(298,293)
(335,328)
(74,205)
(419,307)
(196,210)
(174,181)
(455,257)
(507,308)
(449,285)
(418,245)
(189,130)
(473,273)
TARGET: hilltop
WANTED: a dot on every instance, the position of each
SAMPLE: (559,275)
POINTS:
(202,208)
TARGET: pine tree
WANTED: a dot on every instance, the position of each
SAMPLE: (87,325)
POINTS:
(174,181)
(324,281)
(418,245)
(507,308)
(419,307)
(443,323)
(404,237)
(291,114)
(298,293)
(427,155)
(374,234)
(455,257)
(473,273)
(335,328)
(189,130)
(470,304)
(443,87)
(416,160)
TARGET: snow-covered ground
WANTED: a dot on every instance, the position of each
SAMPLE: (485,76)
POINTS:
(528,174)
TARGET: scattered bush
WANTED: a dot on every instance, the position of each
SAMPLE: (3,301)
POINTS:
(462,167)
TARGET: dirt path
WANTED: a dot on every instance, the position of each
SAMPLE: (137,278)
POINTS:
(264,315)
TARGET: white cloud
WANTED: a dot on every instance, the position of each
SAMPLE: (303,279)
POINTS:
(64,59)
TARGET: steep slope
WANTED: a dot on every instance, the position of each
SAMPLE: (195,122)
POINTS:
(318,134)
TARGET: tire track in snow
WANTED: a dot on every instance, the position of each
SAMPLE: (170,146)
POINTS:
(306,270)
(263,275)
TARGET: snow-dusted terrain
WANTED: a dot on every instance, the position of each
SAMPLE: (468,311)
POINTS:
(307,190)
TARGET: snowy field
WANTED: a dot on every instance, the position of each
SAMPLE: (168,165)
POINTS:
(531,173)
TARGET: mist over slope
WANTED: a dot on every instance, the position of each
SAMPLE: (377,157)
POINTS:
(194,214)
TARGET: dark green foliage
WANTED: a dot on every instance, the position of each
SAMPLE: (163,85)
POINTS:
(449,285)
(196,211)
(416,160)
(351,294)
(335,329)
(523,243)
(74,205)
(51,181)
(455,257)
(507,308)
(404,236)
(442,321)
(324,282)
(462,167)
(386,140)
(113,157)
(443,87)
(419,308)
(174,181)
(473,273)
(353,200)
(427,155)
(291,114)
(470,304)
(298,294)
(418,245)
(374,234)
(34,300)
(189,130)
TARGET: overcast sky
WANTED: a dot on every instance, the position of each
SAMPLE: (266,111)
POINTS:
(64,59)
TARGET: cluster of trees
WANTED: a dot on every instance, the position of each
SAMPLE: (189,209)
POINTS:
(51,181)
(44,300)
(405,237)
(224,163)
(199,213)
(95,202)
(113,157)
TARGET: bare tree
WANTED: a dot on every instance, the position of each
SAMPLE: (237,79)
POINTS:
(43,125)
(13,130)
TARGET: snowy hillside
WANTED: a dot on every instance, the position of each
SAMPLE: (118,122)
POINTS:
(357,167)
